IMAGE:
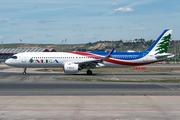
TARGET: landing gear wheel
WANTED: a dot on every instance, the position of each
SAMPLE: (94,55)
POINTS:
(24,73)
(89,72)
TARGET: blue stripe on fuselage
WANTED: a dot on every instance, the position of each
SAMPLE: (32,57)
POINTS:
(123,55)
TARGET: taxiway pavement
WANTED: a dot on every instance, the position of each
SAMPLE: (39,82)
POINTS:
(7,72)
(12,82)
(89,107)
(39,95)
(64,88)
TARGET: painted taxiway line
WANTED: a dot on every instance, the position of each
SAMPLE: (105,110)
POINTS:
(173,87)
(169,87)
(166,86)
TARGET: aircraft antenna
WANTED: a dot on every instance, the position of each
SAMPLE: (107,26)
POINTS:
(65,44)
(62,45)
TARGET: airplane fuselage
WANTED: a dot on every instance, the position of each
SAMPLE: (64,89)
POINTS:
(57,59)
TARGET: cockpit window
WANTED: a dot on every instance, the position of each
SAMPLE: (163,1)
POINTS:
(14,57)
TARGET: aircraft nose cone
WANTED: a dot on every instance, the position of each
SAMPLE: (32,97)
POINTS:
(7,62)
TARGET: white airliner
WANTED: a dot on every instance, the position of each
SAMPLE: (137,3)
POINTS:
(73,62)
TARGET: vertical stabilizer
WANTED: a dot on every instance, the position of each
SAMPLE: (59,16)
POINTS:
(161,44)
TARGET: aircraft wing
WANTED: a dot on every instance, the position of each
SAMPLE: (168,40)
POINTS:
(97,62)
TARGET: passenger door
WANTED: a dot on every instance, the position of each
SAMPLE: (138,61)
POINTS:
(145,57)
(23,59)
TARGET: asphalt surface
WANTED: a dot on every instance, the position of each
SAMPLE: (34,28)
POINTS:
(97,75)
(87,88)
(40,95)
(12,82)
(89,107)
(13,72)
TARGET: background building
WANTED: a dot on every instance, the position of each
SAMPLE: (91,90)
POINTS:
(8,52)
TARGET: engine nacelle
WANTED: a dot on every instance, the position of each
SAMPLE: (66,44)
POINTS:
(70,68)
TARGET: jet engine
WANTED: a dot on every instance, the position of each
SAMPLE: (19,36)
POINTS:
(70,68)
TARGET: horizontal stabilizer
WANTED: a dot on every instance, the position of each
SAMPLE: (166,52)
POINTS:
(163,55)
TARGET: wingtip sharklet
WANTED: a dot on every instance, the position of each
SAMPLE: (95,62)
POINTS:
(111,52)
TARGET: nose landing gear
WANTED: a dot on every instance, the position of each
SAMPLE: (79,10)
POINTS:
(24,73)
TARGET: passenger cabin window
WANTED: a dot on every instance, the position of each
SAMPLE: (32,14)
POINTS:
(14,57)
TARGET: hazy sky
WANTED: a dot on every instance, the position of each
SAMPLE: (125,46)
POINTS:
(83,21)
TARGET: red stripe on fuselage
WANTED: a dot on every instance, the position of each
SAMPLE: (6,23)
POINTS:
(127,63)
(87,55)
(112,60)
(83,53)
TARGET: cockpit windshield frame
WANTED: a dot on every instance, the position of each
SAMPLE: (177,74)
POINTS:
(14,57)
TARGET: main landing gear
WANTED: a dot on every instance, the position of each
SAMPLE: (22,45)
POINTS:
(24,73)
(89,72)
